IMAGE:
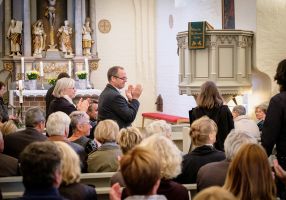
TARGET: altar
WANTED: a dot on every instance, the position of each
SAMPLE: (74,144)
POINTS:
(33,98)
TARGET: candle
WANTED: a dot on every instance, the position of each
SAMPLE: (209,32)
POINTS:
(86,65)
(41,69)
(69,69)
(20,84)
(22,65)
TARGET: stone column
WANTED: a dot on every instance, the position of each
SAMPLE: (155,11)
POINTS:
(83,11)
(92,16)
(27,28)
(78,28)
(7,18)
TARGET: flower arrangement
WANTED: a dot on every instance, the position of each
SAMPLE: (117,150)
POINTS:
(33,75)
(81,74)
(52,81)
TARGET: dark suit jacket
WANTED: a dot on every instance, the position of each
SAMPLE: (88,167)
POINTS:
(49,98)
(16,142)
(8,166)
(112,105)
(3,110)
(61,104)
(196,159)
(222,117)
(41,193)
(212,174)
(78,191)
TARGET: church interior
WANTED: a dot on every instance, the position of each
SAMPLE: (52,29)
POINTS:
(170,47)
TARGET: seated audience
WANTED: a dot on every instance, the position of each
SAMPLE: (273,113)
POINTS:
(260,113)
(92,112)
(249,175)
(58,128)
(71,188)
(65,92)
(80,130)
(9,127)
(170,158)
(203,134)
(49,96)
(105,159)
(9,165)
(128,138)
(141,172)
(35,126)
(214,173)
(242,122)
(159,127)
(3,106)
(215,193)
(41,171)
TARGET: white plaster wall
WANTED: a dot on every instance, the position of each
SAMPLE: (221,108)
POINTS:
(183,12)
(130,44)
(271,37)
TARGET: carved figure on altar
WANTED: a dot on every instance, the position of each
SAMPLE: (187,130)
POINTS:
(39,38)
(86,37)
(65,41)
(51,12)
(14,35)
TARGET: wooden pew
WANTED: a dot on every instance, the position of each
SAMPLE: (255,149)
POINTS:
(12,187)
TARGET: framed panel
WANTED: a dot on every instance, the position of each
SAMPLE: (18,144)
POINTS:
(226,62)
(228,17)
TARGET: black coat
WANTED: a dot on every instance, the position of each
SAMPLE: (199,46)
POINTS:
(112,105)
(222,117)
(274,128)
(196,159)
(78,191)
(16,142)
(9,166)
(3,110)
(61,104)
(49,98)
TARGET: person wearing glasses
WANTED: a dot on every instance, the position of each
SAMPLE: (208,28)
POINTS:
(112,105)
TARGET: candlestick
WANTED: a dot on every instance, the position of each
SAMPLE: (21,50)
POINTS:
(86,65)
(20,85)
(41,69)
(69,69)
(22,65)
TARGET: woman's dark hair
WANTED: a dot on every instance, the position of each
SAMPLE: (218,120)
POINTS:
(280,75)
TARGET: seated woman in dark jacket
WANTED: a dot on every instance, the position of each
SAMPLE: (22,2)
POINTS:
(71,188)
(203,134)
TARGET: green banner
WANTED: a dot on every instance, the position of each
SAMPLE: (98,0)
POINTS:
(197,35)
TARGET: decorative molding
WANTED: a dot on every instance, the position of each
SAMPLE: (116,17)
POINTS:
(8,66)
(93,65)
(104,26)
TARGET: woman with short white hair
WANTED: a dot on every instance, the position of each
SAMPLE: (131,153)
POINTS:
(64,92)
(159,127)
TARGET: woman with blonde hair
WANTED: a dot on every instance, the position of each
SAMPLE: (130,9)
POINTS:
(65,92)
(210,103)
(170,158)
(105,159)
(71,188)
(215,193)
(127,139)
(249,175)
(203,134)
(9,127)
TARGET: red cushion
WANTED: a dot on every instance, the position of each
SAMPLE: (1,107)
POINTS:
(168,118)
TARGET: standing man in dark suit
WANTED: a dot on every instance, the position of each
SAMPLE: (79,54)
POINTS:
(112,105)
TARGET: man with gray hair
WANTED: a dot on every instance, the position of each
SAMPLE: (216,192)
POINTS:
(35,126)
(242,121)
(214,173)
(58,125)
